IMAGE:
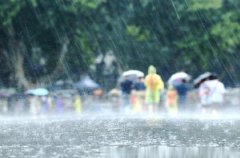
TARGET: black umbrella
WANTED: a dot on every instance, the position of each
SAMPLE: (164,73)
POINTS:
(203,77)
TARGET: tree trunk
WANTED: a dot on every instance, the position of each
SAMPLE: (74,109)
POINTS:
(19,71)
(16,49)
(59,69)
(17,61)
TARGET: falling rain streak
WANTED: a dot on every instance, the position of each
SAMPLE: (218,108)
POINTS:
(74,78)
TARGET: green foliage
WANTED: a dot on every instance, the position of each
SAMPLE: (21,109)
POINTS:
(205,4)
(228,31)
(191,35)
(137,33)
(92,4)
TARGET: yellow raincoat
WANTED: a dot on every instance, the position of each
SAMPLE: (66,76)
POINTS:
(154,86)
(78,105)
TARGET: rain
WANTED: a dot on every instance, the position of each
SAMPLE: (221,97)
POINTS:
(119,79)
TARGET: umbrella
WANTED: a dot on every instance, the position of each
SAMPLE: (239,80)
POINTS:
(200,79)
(177,77)
(86,84)
(38,91)
(133,73)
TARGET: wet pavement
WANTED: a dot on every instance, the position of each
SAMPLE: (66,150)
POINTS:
(119,137)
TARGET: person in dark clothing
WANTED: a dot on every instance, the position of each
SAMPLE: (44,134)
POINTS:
(126,87)
(139,85)
(182,90)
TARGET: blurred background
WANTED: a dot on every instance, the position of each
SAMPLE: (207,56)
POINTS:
(42,42)
(93,57)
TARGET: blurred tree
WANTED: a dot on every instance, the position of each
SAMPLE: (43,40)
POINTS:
(53,31)
(42,41)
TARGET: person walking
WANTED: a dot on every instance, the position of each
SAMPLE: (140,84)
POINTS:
(154,86)
(171,101)
(126,87)
(211,93)
(137,95)
(182,89)
(78,104)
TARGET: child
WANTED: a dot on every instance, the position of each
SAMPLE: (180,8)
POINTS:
(171,101)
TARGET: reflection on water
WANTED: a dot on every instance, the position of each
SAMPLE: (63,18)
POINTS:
(119,137)
(169,152)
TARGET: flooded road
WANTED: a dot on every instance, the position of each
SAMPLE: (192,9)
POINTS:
(119,137)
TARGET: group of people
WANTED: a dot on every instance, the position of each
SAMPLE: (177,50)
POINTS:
(141,94)
(144,91)
(149,93)
(41,105)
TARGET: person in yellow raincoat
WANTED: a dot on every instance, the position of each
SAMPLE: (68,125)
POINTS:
(154,86)
(78,104)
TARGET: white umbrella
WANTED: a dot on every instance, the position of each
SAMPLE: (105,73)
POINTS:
(179,76)
(86,83)
(133,73)
(38,92)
